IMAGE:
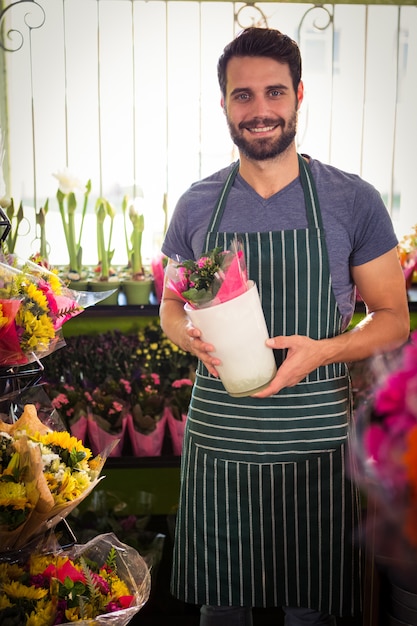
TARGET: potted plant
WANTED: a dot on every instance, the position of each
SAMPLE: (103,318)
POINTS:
(68,184)
(176,411)
(106,278)
(137,284)
(40,218)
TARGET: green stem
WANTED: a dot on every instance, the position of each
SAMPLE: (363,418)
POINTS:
(110,238)
(40,218)
(124,211)
(101,247)
(71,203)
(138,222)
(84,211)
(60,197)
(137,256)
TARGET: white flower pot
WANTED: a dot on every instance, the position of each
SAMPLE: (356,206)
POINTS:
(238,331)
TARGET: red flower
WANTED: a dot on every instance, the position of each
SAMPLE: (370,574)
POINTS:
(67,570)
(125,601)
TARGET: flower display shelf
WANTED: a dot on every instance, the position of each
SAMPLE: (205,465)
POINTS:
(14,381)
(5,225)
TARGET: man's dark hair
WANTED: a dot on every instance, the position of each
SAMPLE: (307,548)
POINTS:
(261,42)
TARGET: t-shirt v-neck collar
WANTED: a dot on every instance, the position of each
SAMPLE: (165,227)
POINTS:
(241,183)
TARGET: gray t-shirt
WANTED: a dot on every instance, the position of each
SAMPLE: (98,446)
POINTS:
(356,222)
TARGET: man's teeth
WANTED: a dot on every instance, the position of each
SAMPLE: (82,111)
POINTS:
(265,129)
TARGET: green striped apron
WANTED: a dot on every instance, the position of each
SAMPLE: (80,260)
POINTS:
(267,516)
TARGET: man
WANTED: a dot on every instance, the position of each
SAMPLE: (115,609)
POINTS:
(267,516)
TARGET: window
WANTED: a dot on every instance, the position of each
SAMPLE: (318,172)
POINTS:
(125,93)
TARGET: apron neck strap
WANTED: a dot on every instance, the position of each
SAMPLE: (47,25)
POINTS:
(310,194)
(222,199)
(307,183)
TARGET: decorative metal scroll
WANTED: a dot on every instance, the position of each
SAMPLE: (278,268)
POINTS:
(33,17)
(250,15)
(316,25)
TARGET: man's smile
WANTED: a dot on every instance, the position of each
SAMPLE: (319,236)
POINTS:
(263,129)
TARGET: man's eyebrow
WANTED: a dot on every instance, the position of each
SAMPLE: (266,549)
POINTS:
(240,90)
(279,87)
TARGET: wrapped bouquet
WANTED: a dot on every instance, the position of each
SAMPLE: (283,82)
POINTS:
(34,305)
(101,582)
(44,475)
(215,277)
(385,445)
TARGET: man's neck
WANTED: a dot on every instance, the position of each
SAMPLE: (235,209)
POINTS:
(269,177)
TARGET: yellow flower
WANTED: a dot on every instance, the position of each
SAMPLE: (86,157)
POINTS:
(10,571)
(37,296)
(55,282)
(14,495)
(17,590)
(95,464)
(70,487)
(13,465)
(38,562)
(4,602)
(119,588)
(37,332)
(43,615)
(64,440)
(3,320)
(73,614)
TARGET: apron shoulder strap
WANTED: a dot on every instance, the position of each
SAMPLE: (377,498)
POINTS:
(217,214)
(310,194)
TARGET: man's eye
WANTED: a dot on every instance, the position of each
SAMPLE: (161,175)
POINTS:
(242,96)
(275,93)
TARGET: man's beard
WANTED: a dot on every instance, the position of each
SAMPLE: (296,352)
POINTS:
(261,149)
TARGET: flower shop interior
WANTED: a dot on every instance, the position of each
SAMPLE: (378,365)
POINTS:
(87,188)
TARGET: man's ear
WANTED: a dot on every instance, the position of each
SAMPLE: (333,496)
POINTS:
(222,104)
(300,94)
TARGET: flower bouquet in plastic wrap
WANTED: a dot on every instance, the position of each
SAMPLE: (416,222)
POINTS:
(225,306)
(101,582)
(44,475)
(34,305)
(384,443)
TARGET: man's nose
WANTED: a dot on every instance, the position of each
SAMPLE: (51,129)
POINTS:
(261,107)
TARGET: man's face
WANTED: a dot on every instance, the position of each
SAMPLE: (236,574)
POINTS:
(261,106)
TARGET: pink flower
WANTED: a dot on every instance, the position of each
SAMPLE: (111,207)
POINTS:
(391,398)
(411,398)
(59,401)
(155,378)
(181,382)
(126,385)
(386,452)
(182,274)
(101,583)
(204,261)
